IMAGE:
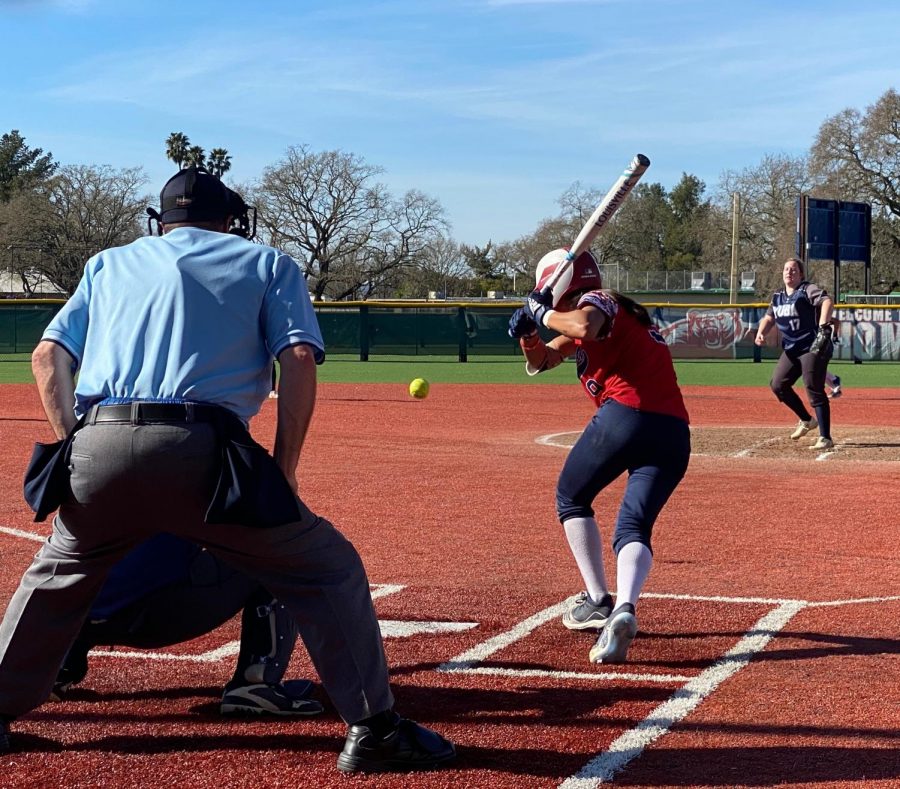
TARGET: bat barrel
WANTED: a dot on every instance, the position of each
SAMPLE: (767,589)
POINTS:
(602,214)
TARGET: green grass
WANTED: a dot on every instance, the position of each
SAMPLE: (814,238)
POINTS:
(511,370)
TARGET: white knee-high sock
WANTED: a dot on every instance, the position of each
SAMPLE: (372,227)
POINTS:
(632,568)
(584,542)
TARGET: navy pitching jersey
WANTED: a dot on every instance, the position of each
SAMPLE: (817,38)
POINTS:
(797,315)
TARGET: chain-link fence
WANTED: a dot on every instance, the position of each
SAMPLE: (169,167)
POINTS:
(614,276)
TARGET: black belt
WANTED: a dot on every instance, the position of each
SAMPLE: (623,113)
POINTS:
(138,413)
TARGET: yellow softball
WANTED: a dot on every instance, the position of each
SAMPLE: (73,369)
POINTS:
(418,388)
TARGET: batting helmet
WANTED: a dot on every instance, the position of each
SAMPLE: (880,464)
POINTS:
(583,274)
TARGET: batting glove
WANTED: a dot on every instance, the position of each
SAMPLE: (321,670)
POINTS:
(521,324)
(539,305)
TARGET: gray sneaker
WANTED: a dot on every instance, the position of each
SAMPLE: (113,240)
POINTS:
(803,428)
(620,630)
(585,615)
(269,699)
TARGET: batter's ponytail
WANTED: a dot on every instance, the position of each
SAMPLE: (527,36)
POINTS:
(631,306)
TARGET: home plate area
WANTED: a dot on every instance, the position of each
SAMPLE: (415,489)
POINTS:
(496,673)
(860,444)
(864,444)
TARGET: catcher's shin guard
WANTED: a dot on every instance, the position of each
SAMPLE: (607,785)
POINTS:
(268,635)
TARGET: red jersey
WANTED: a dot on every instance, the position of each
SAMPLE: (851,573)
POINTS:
(628,362)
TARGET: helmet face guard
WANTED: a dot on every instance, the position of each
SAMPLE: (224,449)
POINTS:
(243,217)
(582,274)
(193,195)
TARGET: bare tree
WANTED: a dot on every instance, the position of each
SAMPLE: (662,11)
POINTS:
(329,212)
(82,210)
(22,218)
(440,268)
(769,193)
(856,157)
(860,153)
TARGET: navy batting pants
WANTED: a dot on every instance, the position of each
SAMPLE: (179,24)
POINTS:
(653,448)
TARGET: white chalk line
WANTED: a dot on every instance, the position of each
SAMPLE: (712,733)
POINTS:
(390,628)
(214,655)
(394,628)
(631,744)
(27,535)
(758,445)
(684,700)
(857,601)
(550,440)
(383,590)
(486,648)
(603,676)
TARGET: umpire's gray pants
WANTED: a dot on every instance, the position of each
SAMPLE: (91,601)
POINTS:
(130,482)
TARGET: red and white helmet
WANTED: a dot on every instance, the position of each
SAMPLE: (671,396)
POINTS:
(583,274)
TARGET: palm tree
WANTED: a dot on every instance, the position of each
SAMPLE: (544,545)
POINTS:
(218,162)
(195,156)
(177,145)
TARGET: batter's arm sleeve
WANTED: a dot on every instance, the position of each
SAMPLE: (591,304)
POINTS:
(296,402)
(540,356)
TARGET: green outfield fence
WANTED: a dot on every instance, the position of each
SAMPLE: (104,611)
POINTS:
(389,328)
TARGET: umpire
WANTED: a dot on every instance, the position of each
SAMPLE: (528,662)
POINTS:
(173,338)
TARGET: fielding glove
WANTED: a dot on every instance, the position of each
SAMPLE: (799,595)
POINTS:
(822,345)
(538,305)
(521,324)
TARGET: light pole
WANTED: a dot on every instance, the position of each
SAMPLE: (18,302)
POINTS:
(735,223)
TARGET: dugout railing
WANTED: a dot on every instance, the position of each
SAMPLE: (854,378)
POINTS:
(864,332)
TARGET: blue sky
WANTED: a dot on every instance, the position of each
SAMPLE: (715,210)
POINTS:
(494,107)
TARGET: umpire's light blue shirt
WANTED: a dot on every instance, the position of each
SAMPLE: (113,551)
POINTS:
(193,315)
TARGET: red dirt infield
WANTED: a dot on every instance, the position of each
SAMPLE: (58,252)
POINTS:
(768,645)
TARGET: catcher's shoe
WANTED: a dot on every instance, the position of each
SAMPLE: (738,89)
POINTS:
(72,672)
(823,443)
(587,615)
(620,630)
(5,745)
(804,427)
(404,747)
(291,698)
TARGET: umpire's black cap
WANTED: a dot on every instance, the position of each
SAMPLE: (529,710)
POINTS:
(194,195)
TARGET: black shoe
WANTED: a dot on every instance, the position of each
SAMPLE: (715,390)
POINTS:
(72,672)
(5,745)
(408,747)
(291,698)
